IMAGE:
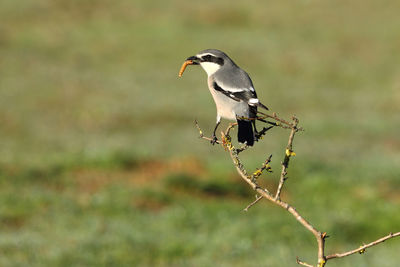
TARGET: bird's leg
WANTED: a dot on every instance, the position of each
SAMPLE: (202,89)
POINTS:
(214,136)
(257,134)
(255,129)
(269,122)
(262,132)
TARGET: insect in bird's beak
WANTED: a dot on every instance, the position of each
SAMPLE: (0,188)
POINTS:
(189,61)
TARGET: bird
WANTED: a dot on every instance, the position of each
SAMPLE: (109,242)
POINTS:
(232,90)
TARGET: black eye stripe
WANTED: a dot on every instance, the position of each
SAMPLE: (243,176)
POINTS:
(210,58)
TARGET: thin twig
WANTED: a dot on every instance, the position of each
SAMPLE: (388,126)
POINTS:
(276,118)
(201,135)
(264,167)
(288,153)
(230,127)
(264,193)
(361,249)
(258,198)
(226,140)
(303,263)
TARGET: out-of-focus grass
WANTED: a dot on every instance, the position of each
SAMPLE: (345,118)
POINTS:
(96,129)
(143,216)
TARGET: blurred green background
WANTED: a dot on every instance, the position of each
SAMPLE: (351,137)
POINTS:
(100,162)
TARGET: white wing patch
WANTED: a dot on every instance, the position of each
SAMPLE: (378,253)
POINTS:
(253,101)
(231,89)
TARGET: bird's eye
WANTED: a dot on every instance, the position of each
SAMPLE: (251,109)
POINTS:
(207,58)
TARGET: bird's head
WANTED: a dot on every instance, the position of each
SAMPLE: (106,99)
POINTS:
(211,60)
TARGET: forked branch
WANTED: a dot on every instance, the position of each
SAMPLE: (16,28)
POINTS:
(275,198)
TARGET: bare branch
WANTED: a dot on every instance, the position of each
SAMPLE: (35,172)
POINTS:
(362,249)
(226,142)
(265,167)
(201,135)
(303,263)
(266,194)
(258,198)
(288,153)
(279,121)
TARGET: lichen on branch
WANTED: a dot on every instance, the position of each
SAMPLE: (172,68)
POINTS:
(226,143)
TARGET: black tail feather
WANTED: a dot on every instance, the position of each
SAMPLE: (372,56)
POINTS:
(245,133)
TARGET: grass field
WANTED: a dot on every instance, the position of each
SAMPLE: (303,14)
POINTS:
(100,162)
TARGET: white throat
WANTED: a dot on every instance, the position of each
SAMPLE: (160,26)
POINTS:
(210,67)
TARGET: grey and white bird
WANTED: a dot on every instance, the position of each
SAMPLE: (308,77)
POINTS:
(232,90)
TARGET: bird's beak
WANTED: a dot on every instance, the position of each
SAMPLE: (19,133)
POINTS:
(195,60)
(189,61)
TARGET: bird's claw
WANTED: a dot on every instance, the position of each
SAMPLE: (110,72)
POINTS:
(258,135)
(214,140)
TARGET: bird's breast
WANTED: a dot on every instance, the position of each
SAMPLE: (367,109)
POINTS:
(226,107)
